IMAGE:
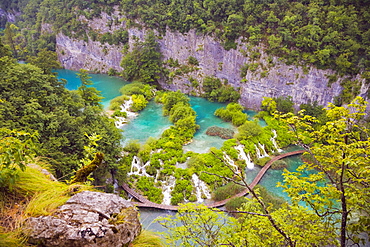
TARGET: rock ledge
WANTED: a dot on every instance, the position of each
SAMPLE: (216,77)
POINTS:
(87,219)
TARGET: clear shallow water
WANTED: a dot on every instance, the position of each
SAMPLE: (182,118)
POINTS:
(205,119)
(108,85)
(149,123)
(251,114)
(272,177)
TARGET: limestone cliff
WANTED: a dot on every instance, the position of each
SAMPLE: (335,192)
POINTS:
(269,77)
(9,16)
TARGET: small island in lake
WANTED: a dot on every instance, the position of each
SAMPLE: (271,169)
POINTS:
(224,133)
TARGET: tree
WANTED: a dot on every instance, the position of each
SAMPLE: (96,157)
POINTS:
(46,60)
(339,192)
(197,225)
(9,34)
(268,104)
(35,102)
(4,51)
(144,62)
(16,148)
(90,95)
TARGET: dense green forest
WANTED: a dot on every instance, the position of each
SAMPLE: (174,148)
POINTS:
(327,34)
(35,101)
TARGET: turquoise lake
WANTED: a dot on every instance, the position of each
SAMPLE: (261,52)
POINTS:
(151,123)
(108,85)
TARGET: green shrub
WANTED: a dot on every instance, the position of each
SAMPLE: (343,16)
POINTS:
(112,72)
(269,198)
(193,61)
(224,133)
(232,113)
(227,191)
(118,113)
(138,88)
(138,102)
(279,165)
(263,161)
(115,104)
(133,146)
(235,203)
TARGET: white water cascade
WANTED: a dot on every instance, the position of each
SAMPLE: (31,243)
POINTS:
(167,187)
(200,188)
(125,107)
(245,157)
(262,146)
(137,168)
(158,171)
(231,163)
(258,151)
(273,140)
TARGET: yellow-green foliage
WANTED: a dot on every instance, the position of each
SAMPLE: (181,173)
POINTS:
(115,104)
(84,172)
(46,195)
(10,239)
(147,239)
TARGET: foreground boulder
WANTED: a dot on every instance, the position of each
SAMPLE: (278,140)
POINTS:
(87,219)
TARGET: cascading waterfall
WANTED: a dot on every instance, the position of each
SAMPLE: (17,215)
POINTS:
(167,187)
(231,163)
(200,188)
(158,171)
(258,151)
(245,157)
(262,146)
(137,168)
(273,140)
(125,107)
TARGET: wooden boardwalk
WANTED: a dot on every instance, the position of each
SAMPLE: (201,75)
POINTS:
(145,203)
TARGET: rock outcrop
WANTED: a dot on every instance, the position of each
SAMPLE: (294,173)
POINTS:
(92,219)
(8,15)
(269,77)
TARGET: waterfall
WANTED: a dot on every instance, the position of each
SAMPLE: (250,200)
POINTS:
(273,140)
(231,163)
(258,151)
(243,156)
(167,187)
(158,171)
(200,188)
(125,107)
(137,168)
(262,146)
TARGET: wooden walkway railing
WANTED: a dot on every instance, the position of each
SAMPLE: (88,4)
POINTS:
(145,203)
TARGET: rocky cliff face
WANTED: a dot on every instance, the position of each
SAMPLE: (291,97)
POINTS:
(9,16)
(88,218)
(268,78)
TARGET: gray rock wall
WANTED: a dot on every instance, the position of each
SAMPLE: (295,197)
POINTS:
(270,79)
(10,16)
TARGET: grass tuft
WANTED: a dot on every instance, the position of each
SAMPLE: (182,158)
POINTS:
(147,239)
(46,195)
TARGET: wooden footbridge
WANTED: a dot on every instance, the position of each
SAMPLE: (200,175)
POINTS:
(145,203)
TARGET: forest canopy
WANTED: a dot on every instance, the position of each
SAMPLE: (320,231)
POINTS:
(327,34)
(35,101)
